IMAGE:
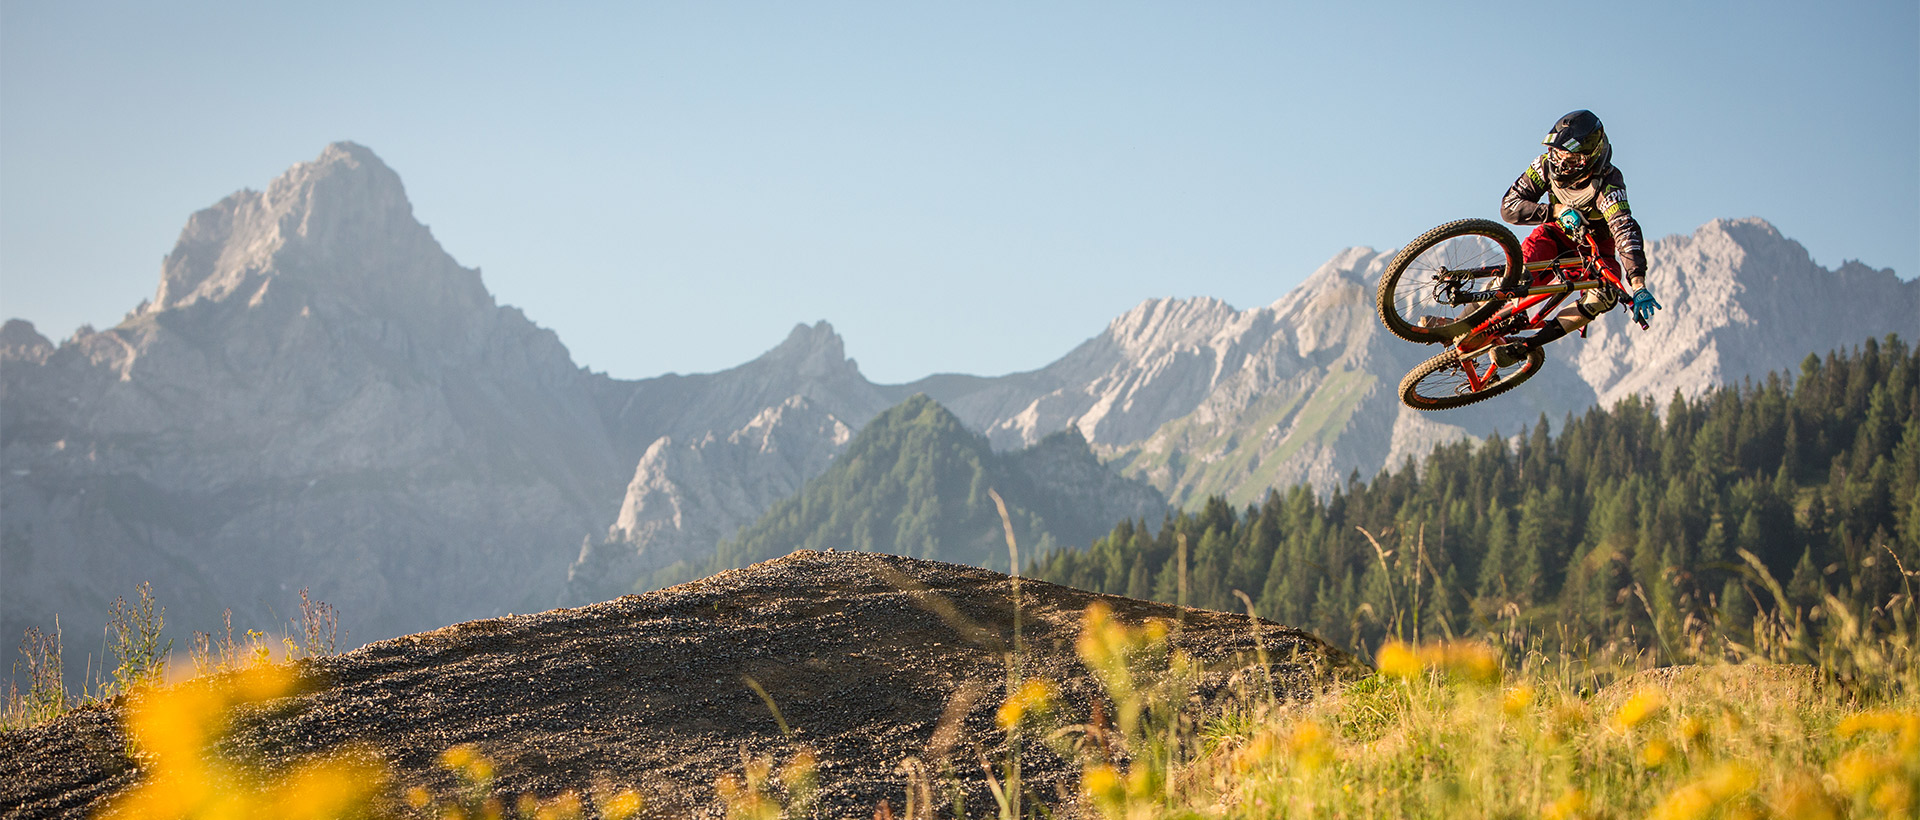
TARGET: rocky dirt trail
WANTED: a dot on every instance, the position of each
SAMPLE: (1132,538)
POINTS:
(862,653)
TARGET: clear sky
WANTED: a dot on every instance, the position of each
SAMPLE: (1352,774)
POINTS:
(958,187)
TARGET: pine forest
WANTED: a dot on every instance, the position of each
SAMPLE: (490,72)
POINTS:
(1666,531)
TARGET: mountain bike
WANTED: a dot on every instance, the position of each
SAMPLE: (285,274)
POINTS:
(1464,285)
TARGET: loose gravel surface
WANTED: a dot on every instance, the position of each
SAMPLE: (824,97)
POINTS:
(862,653)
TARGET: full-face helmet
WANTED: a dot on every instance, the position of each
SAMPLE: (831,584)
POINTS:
(1577,147)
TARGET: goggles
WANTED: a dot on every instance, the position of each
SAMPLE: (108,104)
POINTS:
(1570,159)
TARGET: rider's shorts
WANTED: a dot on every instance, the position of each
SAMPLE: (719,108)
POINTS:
(1549,242)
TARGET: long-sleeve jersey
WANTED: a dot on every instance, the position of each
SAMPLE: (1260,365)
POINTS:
(1600,198)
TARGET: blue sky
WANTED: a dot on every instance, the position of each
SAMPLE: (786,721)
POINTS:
(956,187)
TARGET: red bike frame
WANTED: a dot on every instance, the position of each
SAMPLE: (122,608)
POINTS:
(1576,272)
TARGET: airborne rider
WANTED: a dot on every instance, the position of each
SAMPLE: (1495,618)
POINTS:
(1582,188)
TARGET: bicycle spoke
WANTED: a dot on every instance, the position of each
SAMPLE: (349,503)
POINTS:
(1463,263)
(1420,294)
(1452,381)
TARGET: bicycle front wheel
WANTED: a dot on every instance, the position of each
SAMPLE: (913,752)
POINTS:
(1419,296)
(1442,383)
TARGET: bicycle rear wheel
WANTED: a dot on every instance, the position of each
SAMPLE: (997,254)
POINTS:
(1441,383)
(1417,300)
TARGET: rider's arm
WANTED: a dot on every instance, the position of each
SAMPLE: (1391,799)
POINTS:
(1627,240)
(1522,205)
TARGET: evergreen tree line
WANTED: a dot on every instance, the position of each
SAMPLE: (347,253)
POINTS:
(1627,526)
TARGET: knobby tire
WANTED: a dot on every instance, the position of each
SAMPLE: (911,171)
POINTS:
(1447,362)
(1394,280)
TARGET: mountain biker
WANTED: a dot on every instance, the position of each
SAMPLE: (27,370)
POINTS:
(1583,189)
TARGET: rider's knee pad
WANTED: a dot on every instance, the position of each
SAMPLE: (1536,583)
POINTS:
(1596,302)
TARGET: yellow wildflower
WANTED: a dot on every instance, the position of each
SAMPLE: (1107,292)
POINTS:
(1698,798)
(466,759)
(1309,745)
(177,728)
(1803,798)
(565,807)
(1858,770)
(1473,661)
(622,805)
(1893,799)
(1256,752)
(1642,705)
(327,789)
(1102,783)
(1397,660)
(1517,700)
(1035,695)
(1101,640)
(1906,724)
(1656,754)
(1571,805)
(1463,660)
(457,757)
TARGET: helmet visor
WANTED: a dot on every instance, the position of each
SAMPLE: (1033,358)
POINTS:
(1571,160)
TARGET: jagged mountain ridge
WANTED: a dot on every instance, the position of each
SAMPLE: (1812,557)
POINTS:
(319,395)
(685,498)
(1303,389)
(915,481)
(812,362)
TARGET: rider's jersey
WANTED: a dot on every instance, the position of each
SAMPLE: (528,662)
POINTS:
(1600,198)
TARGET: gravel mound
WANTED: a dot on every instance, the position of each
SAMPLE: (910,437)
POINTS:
(861,652)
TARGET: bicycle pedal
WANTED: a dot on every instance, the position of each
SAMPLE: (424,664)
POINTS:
(1507,356)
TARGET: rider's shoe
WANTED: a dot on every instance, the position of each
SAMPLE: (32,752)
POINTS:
(1430,322)
(1508,355)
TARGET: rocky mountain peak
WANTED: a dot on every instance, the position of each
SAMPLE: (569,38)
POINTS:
(20,341)
(1169,323)
(312,343)
(341,225)
(811,350)
(1741,299)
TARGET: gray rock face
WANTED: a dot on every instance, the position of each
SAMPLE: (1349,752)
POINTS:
(1199,398)
(1740,300)
(317,396)
(811,363)
(686,498)
(714,451)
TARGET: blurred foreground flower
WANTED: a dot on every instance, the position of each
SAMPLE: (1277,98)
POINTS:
(174,730)
(1470,661)
(1640,706)
(1708,793)
(1035,696)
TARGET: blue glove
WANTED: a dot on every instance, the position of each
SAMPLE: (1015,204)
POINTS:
(1570,220)
(1643,305)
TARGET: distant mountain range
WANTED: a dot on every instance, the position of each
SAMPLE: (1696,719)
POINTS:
(319,396)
